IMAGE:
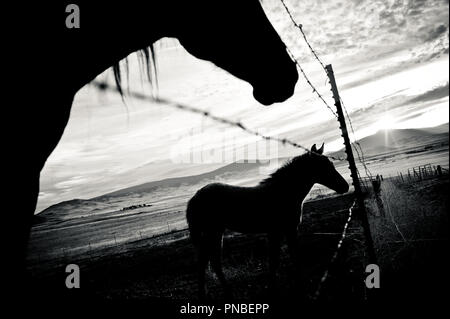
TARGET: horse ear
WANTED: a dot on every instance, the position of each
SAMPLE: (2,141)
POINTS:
(314,149)
(320,151)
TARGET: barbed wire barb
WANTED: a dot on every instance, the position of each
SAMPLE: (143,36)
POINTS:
(300,27)
(309,82)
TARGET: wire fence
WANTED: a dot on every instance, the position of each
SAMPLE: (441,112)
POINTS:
(140,96)
(360,152)
(336,252)
(299,26)
(320,96)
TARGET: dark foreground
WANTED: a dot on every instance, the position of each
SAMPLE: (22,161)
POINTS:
(410,230)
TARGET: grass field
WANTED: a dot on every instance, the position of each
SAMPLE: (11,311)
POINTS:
(409,223)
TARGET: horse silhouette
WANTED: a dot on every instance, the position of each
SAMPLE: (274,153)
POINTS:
(274,207)
(51,63)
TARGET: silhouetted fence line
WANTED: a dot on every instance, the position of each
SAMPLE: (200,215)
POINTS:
(334,257)
(299,26)
(319,95)
(360,152)
(421,172)
(391,207)
(340,115)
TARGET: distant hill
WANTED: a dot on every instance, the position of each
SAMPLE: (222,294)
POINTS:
(86,207)
(58,212)
(437,129)
(396,139)
(379,143)
(232,168)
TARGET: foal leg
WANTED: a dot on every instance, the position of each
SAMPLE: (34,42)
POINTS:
(216,256)
(274,257)
(203,258)
(293,247)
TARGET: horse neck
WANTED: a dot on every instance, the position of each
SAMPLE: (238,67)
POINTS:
(292,189)
(110,32)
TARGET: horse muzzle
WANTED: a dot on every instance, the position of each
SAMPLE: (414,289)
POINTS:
(279,88)
(342,189)
(275,94)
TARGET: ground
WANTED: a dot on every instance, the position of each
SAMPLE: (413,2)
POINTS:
(411,241)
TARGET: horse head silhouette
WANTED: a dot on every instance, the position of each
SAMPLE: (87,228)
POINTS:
(242,41)
(325,172)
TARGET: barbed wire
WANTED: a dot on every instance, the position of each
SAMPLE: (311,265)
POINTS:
(140,96)
(360,152)
(361,156)
(336,252)
(309,81)
(300,27)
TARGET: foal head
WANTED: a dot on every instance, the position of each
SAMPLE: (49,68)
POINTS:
(323,171)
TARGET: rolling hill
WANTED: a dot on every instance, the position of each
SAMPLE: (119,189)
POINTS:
(379,143)
(397,139)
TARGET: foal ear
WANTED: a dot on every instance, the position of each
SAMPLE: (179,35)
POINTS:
(314,149)
(320,151)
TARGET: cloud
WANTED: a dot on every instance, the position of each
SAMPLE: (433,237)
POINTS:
(357,27)
(434,94)
(437,32)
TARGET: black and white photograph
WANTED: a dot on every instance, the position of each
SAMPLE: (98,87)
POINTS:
(227,159)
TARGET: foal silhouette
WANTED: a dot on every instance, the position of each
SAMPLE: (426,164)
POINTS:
(274,207)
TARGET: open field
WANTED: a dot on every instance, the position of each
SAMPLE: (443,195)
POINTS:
(411,241)
(83,226)
(132,244)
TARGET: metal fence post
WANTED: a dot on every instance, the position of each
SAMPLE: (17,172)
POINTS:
(352,166)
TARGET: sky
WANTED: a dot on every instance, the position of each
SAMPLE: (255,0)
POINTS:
(390,59)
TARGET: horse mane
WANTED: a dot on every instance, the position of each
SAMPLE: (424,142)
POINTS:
(287,169)
(146,59)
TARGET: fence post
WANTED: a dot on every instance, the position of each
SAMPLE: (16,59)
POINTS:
(352,166)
